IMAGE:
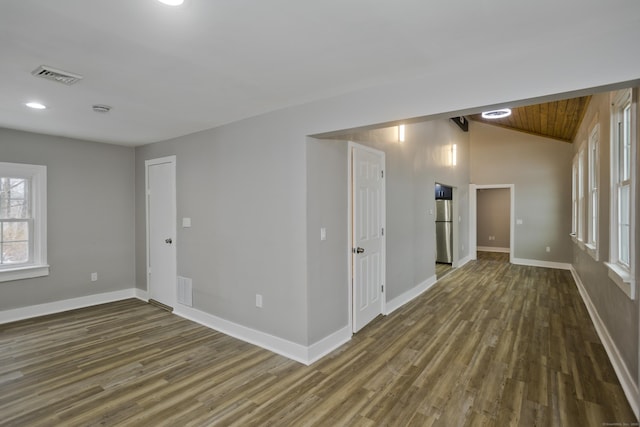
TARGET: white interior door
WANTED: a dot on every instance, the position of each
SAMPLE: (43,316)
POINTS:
(161,229)
(368,254)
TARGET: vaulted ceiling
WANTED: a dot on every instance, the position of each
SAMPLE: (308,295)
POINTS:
(557,120)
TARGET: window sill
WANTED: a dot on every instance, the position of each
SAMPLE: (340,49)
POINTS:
(593,251)
(623,279)
(20,273)
(578,241)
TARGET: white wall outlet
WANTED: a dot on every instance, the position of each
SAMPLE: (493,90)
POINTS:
(94,277)
(431,212)
(323,233)
(548,249)
(258,300)
(519,221)
(186,222)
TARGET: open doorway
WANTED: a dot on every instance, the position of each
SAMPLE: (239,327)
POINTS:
(491,231)
(444,234)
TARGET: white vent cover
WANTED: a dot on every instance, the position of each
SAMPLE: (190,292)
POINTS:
(185,291)
(59,76)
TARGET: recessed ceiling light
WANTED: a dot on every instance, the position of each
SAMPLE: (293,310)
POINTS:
(36,105)
(497,114)
(172,2)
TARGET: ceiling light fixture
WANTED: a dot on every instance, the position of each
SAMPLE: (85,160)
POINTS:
(36,105)
(497,114)
(172,2)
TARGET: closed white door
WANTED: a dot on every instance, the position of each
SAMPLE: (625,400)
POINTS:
(368,254)
(161,229)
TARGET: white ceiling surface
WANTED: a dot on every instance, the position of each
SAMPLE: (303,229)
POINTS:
(168,71)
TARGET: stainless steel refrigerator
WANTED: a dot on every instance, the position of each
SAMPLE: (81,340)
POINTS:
(444,231)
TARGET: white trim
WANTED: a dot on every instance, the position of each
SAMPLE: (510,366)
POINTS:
(623,279)
(544,264)
(624,376)
(493,249)
(329,343)
(473,216)
(289,349)
(464,260)
(24,272)
(37,266)
(409,295)
(28,312)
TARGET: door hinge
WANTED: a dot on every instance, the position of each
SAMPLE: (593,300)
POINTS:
(381,174)
(383,231)
(382,288)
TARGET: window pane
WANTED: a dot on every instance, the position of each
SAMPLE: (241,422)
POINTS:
(17,188)
(625,145)
(15,253)
(14,200)
(18,210)
(623,225)
(15,231)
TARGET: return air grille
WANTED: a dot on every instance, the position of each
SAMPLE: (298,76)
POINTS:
(59,76)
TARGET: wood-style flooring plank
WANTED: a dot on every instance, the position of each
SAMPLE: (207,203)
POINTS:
(490,344)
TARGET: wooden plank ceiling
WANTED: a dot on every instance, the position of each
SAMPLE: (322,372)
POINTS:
(558,120)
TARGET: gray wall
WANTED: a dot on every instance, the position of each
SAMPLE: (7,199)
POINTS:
(412,169)
(327,276)
(90,201)
(493,215)
(540,169)
(617,311)
(244,187)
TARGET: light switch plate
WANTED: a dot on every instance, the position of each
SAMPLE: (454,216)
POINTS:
(323,233)
(186,222)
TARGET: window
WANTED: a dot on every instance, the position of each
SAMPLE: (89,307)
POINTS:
(621,268)
(594,164)
(23,239)
(574,198)
(577,198)
(581,204)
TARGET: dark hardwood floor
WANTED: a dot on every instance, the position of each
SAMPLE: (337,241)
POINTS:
(490,344)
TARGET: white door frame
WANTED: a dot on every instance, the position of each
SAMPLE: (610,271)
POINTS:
(473,217)
(147,163)
(383,298)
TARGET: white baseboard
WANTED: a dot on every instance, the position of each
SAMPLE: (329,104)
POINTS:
(289,349)
(407,296)
(140,294)
(545,264)
(22,313)
(493,249)
(463,261)
(326,345)
(624,376)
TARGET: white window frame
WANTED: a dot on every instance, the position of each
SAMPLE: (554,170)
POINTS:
(594,197)
(574,198)
(580,231)
(37,266)
(621,273)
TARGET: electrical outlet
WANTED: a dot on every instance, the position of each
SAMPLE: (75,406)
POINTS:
(548,249)
(258,300)
(94,277)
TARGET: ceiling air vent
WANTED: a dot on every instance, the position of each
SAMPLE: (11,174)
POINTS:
(59,76)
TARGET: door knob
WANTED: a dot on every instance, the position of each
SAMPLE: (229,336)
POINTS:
(169,241)
(358,250)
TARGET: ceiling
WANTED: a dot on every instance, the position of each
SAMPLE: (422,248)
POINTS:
(168,72)
(557,120)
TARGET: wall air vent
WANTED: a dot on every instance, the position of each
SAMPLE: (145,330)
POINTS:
(59,76)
